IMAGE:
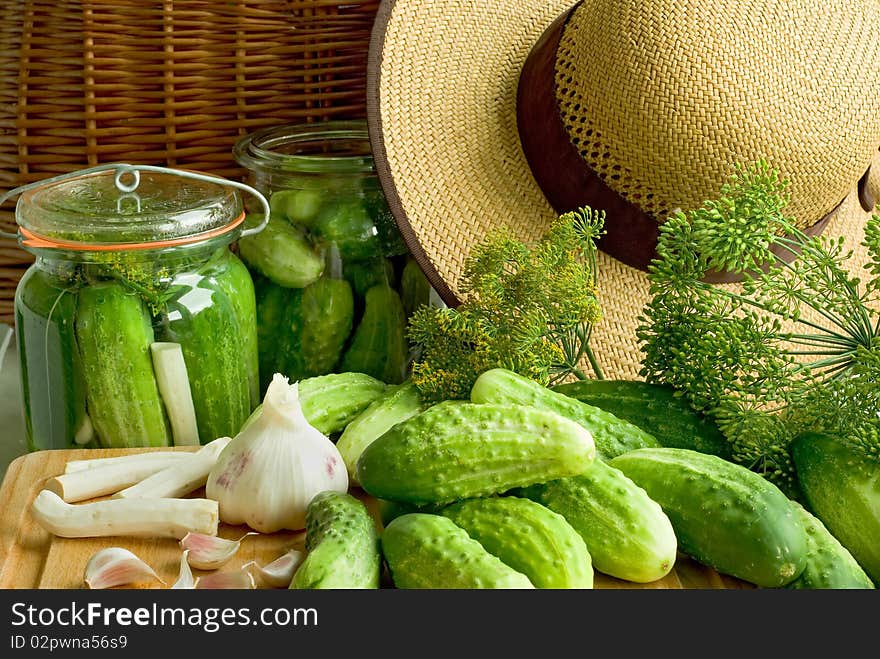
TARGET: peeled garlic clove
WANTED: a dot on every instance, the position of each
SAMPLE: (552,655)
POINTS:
(279,573)
(208,552)
(233,580)
(115,566)
(185,579)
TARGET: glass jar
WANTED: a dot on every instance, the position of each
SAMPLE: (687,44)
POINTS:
(136,323)
(335,283)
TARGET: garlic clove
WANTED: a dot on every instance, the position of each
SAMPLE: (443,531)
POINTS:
(231,580)
(208,552)
(185,579)
(279,573)
(115,566)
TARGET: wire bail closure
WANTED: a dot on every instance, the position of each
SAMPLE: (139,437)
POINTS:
(128,186)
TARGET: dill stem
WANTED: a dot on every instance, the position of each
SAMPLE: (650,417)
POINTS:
(595,364)
(740,298)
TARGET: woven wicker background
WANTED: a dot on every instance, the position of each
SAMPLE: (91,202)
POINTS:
(171,82)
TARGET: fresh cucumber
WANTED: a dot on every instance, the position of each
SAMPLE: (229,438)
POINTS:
(342,544)
(51,373)
(114,333)
(529,538)
(281,253)
(279,331)
(203,319)
(379,347)
(346,224)
(457,450)
(431,551)
(724,515)
(655,409)
(842,488)
(415,290)
(235,281)
(829,564)
(330,402)
(363,275)
(298,206)
(626,532)
(396,404)
(613,435)
(328,313)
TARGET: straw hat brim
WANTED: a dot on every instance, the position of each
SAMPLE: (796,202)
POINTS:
(441,105)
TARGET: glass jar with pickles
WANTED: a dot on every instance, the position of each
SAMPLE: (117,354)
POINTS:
(136,324)
(335,283)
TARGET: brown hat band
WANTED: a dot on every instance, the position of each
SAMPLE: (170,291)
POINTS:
(568,182)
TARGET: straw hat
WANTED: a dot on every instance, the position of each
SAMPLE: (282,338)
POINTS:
(491,112)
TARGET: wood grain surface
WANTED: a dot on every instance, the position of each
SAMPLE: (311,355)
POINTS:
(32,558)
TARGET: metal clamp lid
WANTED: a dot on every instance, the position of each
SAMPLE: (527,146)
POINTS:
(127,179)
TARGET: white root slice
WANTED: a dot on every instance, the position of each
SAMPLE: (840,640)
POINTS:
(98,481)
(115,566)
(85,433)
(159,457)
(180,478)
(209,552)
(161,518)
(279,573)
(171,376)
(185,579)
(231,580)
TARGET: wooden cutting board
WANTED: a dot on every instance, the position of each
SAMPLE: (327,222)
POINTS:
(30,557)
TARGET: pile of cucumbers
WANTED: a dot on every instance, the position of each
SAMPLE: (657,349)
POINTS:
(528,487)
(334,285)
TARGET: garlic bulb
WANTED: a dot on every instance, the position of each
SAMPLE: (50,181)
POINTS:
(267,475)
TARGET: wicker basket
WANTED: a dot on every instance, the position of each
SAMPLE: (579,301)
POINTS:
(172,82)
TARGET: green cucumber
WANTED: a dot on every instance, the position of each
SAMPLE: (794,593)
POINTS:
(330,402)
(204,321)
(457,450)
(342,544)
(391,510)
(613,435)
(51,373)
(379,347)
(396,404)
(297,206)
(724,515)
(529,538)
(281,253)
(279,331)
(236,282)
(328,313)
(390,241)
(363,275)
(626,532)
(415,290)
(829,564)
(114,333)
(842,488)
(430,551)
(655,409)
(347,225)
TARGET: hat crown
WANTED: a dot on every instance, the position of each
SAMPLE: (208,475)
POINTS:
(662,98)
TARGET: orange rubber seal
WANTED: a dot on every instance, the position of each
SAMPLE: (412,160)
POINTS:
(35,240)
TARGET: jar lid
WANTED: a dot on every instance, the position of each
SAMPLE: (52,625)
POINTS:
(126,207)
(341,147)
